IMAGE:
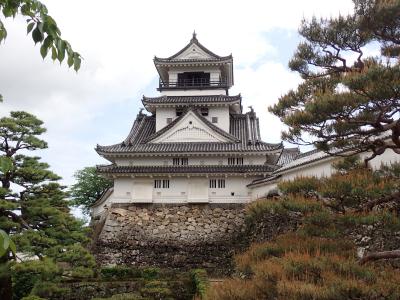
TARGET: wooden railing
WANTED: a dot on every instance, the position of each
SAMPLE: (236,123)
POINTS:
(192,83)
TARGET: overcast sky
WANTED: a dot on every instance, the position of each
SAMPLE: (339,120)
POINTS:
(118,40)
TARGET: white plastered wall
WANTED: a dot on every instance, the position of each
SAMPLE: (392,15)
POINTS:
(193,92)
(320,169)
(182,189)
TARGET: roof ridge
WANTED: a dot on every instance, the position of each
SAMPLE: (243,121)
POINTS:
(195,41)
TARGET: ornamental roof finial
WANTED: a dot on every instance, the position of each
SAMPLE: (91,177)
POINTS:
(194,35)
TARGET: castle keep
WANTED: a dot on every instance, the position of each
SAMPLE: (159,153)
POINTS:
(195,144)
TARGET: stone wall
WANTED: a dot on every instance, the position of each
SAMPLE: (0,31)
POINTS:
(172,236)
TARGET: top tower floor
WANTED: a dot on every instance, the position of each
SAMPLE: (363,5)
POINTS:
(194,70)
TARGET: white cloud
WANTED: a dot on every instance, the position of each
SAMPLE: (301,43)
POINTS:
(261,88)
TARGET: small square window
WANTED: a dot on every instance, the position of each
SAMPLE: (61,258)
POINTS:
(169,120)
(204,111)
(214,119)
(179,111)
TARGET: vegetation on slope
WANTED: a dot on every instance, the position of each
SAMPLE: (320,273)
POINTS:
(321,260)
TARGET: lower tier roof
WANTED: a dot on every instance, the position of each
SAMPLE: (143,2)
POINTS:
(145,126)
(189,169)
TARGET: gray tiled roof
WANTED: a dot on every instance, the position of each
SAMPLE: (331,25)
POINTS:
(264,180)
(194,40)
(164,61)
(191,99)
(288,155)
(144,127)
(258,169)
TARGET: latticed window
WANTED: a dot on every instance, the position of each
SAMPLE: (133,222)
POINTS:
(217,183)
(157,184)
(180,161)
(235,160)
(164,183)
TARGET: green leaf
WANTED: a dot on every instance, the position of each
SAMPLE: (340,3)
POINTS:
(6,164)
(53,53)
(61,50)
(46,45)
(44,50)
(6,243)
(40,26)
(29,27)
(3,31)
(70,60)
(37,35)
(77,62)
(13,248)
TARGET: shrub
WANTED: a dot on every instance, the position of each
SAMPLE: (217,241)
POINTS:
(200,280)
(120,272)
(26,275)
(150,273)
(124,296)
(304,186)
(156,290)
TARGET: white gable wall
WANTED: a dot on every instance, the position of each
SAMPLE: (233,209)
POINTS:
(190,129)
(222,113)
(194,52)
(162,113)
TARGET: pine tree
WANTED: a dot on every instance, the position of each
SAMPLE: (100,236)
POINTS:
(33,206)
(347,100)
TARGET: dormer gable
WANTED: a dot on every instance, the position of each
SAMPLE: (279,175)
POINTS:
(191,127)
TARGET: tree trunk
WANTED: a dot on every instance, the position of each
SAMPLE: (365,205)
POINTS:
(380,255)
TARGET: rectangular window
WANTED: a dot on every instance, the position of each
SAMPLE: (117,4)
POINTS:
(164,183)
(180,161)
(214,120)
(157,184)
(169,120)
(213,183)
(235,161)
(217,183)
(221,183)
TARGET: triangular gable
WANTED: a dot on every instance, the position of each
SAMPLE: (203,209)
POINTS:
(190,128)
(193,51)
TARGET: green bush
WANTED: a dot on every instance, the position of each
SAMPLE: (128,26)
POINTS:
(32,298)
(150,273)
(157,290)
(26,275)
(305,186)
(120,272)
(200,280)
(125,296)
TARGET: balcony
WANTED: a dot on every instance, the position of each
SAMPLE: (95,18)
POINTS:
(192,83)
